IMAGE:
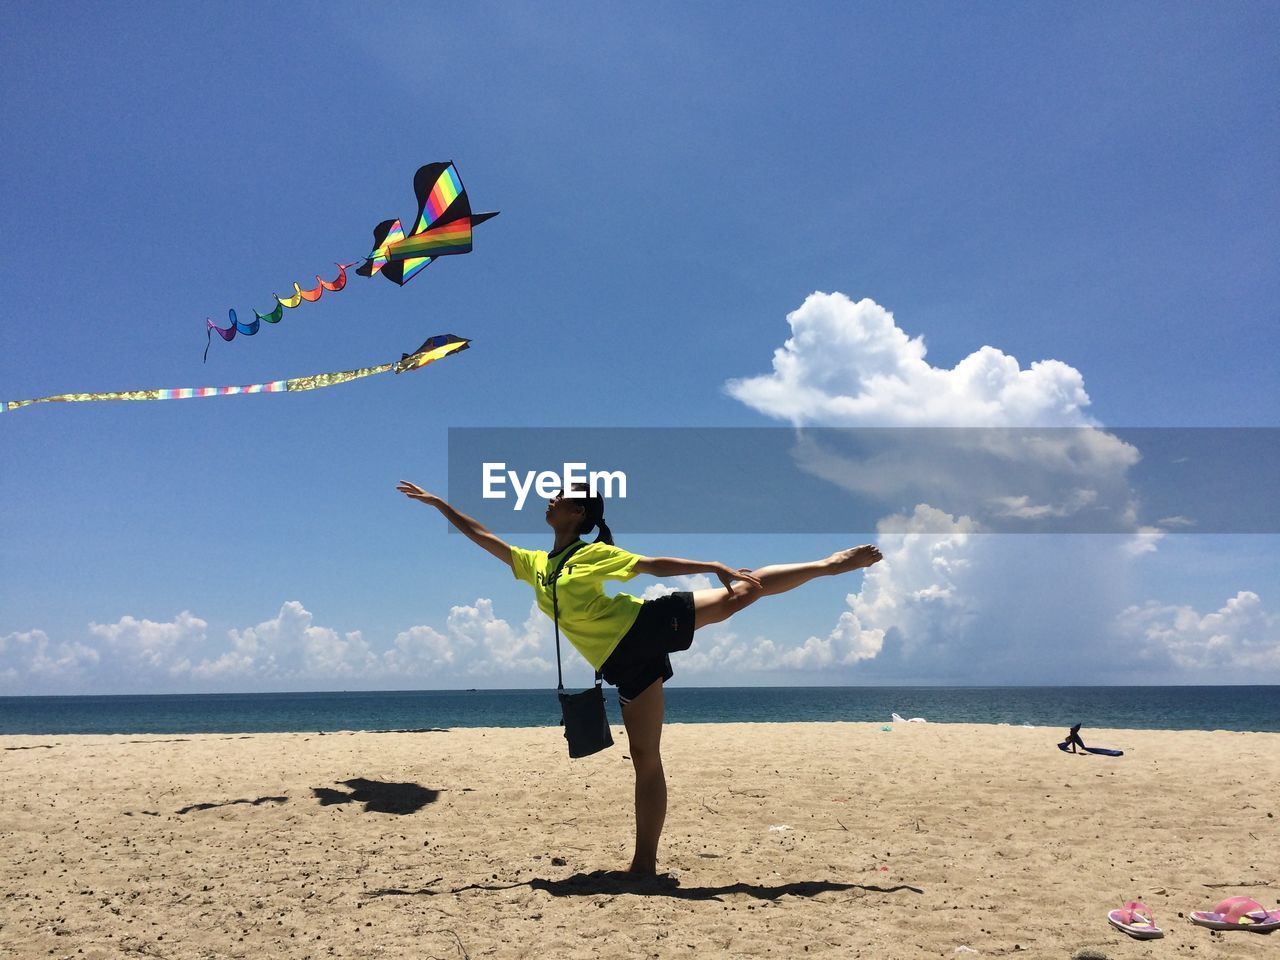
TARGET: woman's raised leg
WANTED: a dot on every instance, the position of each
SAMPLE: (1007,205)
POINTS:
(643,720)
(718,604)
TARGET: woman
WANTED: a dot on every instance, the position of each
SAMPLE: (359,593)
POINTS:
(628,640)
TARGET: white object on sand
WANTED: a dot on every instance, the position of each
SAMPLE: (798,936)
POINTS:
(898,719)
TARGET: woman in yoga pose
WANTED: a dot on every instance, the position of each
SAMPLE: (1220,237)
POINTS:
(629,640)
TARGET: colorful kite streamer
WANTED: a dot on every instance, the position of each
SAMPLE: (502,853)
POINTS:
(442,228)
(432,350)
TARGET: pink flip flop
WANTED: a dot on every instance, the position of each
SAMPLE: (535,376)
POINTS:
(1135,919)
(1238,913)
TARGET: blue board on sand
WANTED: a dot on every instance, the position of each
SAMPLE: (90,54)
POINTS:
(1101,751)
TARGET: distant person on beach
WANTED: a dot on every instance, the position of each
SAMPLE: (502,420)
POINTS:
(1073,740)
(629,640)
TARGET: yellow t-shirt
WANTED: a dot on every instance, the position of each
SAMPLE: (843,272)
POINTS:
(592,621)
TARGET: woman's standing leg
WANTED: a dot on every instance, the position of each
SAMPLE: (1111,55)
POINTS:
(717,604)
(643,720)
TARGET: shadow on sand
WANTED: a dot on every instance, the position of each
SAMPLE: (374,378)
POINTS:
(226,803)
(617,883)
(379,797)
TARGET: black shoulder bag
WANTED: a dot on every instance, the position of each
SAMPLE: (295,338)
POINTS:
(586,725)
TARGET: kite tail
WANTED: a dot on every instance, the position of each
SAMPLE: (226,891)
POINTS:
(432,349)
(229,333)
(249,329)
(316,292)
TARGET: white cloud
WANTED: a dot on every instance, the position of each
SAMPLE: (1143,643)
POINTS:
(1239,641)
(148,644)
(291,645)
(949,606)
(976,608)
(922,588)
(476,643)
(31,655)
(919,589)
(228,665)
(420,649)
(849,364)
(690,582)
(849,642)
(289,651)
(1022,508)
(497,647)
(1146,540)
(944,603)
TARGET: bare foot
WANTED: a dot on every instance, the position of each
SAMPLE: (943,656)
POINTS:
(854,558)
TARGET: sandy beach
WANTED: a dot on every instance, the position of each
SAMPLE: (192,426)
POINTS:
(787,840)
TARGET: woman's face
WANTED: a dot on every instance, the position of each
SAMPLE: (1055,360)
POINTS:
(561,509)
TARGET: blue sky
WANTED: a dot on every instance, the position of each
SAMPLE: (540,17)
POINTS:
(1089,185)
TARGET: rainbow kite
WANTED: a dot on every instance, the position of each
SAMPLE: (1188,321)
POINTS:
(442,228)
(432,350)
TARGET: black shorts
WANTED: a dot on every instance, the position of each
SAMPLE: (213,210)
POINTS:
(642,655)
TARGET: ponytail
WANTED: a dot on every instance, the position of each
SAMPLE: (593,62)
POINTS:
(593,516)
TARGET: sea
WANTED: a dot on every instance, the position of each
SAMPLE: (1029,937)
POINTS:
(1247,708)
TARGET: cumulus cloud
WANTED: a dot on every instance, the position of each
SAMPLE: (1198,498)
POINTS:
(960,606)
(921,590)
(849,364)
(720,651)
(849,642)
(420,650)
(287,651)
(148,644)
(475,644)
(496,646)
(291,646)
(922,587)
(1240,640)
(230,664)
(945,603)
(31,655)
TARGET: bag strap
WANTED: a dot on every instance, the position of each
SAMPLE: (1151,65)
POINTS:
(555,609)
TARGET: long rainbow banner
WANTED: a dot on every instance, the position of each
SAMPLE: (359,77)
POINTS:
(433,349)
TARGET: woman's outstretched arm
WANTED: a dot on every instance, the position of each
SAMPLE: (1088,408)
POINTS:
(476,532)
(675,567)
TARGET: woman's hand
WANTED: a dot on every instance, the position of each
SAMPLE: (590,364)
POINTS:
(473,529)
(728,575)
(415,492)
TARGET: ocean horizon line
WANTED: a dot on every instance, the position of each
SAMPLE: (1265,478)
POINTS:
(1226,707)
(668,687)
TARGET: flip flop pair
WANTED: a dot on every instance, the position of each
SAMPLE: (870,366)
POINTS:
(1136,919)
(1238,913)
